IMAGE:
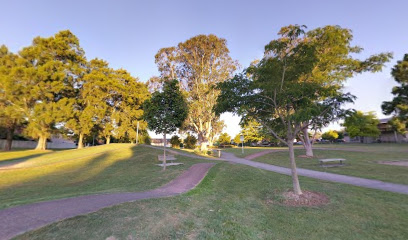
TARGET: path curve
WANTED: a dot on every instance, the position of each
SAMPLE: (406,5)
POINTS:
(356,181)
(332,177)
(260,154)
(20,219)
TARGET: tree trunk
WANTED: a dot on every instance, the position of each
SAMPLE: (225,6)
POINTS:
(203,146)
(81,141)
(42,143)
(306,143)
(295,179)
(108,140)
(396,137)
(164,152)
(9,139)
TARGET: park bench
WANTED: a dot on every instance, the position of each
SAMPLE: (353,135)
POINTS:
(168,158)
(341,160)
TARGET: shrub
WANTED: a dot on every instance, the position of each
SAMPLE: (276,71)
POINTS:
(175,141)
(190,142)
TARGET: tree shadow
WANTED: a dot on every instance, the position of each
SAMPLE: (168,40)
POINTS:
(128,169)
(12,161)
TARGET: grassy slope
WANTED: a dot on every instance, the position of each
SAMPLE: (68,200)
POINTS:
(232,203)
(87,171)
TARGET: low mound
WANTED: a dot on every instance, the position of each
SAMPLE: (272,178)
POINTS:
(307,199)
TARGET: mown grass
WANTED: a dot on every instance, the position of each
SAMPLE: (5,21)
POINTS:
(375,147)
(360,164)
(33,176)
(233,203)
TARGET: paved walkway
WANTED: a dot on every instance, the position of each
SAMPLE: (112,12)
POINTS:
(260,154)
(356,181)
(20,219)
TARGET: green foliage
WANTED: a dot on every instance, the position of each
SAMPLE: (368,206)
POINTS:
(359,124)
(237,138)
(190,142)
(54,65)
(399,105)
(175,141)
(252,131)
(330,135)
(299,81)
(167,110)
(398,125)
(199,63)
(145,139)
(224,139)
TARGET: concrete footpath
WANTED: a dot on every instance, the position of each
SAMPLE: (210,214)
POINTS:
(356,181)
(20,219)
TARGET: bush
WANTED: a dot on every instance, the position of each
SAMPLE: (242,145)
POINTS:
(146,139)
(175,141)
(190,142)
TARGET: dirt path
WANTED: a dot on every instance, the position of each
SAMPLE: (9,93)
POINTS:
(20,219)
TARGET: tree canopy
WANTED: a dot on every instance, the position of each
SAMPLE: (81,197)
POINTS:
(50,85)
(330,135)
(199,63)
(399,104)
(298,83)
(167,110)
(359,124)
(224,139)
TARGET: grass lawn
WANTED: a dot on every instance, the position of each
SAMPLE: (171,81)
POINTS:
(233,202)
(360,164)
(38,176)
(249,150)
(383,147)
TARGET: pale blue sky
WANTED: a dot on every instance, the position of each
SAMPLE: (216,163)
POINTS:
(129,33)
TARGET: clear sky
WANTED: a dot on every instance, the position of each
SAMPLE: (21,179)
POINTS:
(129,33)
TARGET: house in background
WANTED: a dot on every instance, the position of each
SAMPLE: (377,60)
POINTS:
(159,142)
(387,134)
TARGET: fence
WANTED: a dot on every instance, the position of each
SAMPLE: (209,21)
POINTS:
(33,144)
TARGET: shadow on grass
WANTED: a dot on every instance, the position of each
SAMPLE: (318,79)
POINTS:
(128,170)
(9,162)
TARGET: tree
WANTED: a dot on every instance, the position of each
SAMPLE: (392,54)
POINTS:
(132,94)
(175,141)
(330,135)
(13,106)
(297,84)
(359,124)
(52,74)
(224,139)
(237,139)
(200,63)
(399,104)
(252,131)
(166,111)
(88,107)
(190,142)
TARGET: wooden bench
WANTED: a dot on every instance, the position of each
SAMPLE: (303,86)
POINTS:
(341,160)
(168,158)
